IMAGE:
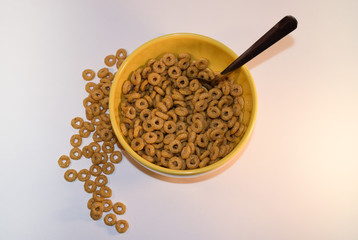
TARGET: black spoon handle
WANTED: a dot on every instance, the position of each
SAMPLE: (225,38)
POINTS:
(281,29)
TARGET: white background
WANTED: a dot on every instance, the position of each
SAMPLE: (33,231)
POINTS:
(297,179)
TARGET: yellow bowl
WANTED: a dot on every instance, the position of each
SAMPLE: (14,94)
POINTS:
(219,56)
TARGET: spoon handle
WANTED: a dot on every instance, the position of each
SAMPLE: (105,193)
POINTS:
(281,29)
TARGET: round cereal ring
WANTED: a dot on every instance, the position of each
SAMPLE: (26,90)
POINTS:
(101,180)
(192,162)
(96,158)
(105,191)
(164,161)
(197,126)
(122,226)
(174,72)
(76,140)
(236,90)
(95,170)
(168,138)
(154,79)
(192,72)
(141,104)
(175,146)
(181,111)
(95,216)
(108,168)
(226,113)
(90,186)
(75,153)
(150,137)
(90,203)
(110,219)
(64,161)
(203,75)
(106,88)
(202,140)
(149,150)
(204,162)
(214,153)
(119,63)
(201,105)
(84,132)
(217,134)
(184,63)
(77,122)
(88,74)
(194,85)
(102,72)
(107,203)
(116,157)
(215,93)
(169,59)
(107,147)
(106,134)
(97,196)
(119,208)
(213,112)
(137,144)
(136,78)
(157,123)
(110,60)
(158,67)
(202,63)
(90,87)
(121,53)
(146,71)
(175,163)
(97,94)
(84,175)
(70,175)
(95,147)
(97,207)
(186,152)
(169,126)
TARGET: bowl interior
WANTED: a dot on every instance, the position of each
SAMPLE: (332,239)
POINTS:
(197,46)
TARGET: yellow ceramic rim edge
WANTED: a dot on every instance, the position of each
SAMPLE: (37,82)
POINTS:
(211,167)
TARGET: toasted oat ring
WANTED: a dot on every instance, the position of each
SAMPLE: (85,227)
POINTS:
(175,146)
(141,104)
(204,162)
(149,150)
(122,226)
(213,112)
(182,82)
(174,72)
(64,161)
(217,134)
(197,126)
(184,63)
(96,158)
(203,75)
(202,140)
(150,137)
(95,147)
(181,111)
(157,123)
(88,74)
(95,216)
(136,78)
(169,59)
(76,140)
(108,168)
(70,175)
(84,175)
(75,153)
(107,203)
(192,162)
(185,152)
(90,186)
(90,87)
(164,161)
(175,163)
(226,113)
(215,93)
(170,126)
(95,170)
(162,115)
(194,85)
(201,105)
(121,53)
(97,207)
(84,132)
(110,60)
(77,122)
(236,90)
(192,72)
(101,180)
(97,94)
(158,67)
(154,79)
(90,203)
(137,144)
(105,191)
(202,63)
(110,219)
(168,138)
(102,72)
(119,208)
(116,157)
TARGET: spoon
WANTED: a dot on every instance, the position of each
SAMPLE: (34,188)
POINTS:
(276,33)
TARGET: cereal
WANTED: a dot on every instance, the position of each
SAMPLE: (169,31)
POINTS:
(84,175)
(64,161)
(119,208)
(88,74)
(77,122)
(121,226)
(110,219)
(75,153)
(70,175)
(110,60)
(76,140)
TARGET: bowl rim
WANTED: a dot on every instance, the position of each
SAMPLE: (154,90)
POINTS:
(171,172)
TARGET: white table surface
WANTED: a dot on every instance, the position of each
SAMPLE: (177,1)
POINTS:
(297,179)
